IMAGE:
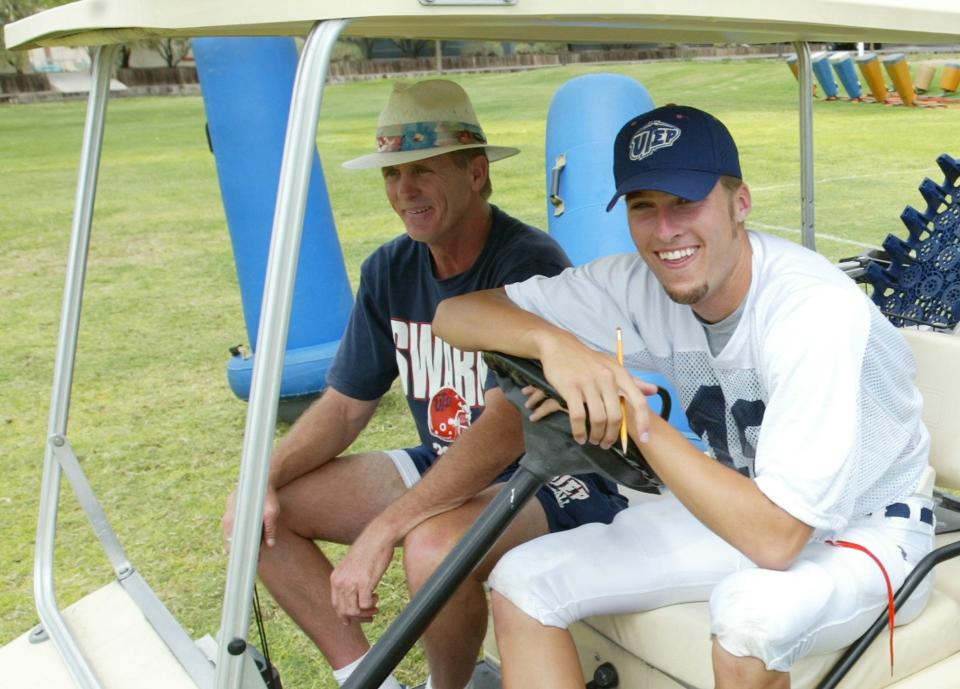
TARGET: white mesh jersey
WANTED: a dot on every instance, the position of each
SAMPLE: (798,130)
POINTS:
(812,396)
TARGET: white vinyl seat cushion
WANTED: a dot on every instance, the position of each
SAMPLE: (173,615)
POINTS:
(676,639)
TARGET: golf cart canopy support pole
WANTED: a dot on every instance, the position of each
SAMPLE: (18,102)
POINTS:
(272,339)
(43,587)
(807,206)
(59,458)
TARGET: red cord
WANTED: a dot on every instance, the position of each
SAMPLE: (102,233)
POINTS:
(891,610)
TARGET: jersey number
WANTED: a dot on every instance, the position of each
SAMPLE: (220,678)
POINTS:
(708,418)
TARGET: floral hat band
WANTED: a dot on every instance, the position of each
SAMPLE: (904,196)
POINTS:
(426,119)
(416,136)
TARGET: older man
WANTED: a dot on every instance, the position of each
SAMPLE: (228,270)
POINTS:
(435,159)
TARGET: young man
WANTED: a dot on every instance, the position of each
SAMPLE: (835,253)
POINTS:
(434,159)
(800,387)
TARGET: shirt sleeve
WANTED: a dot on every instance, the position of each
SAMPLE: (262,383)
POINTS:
(365,364)
(588,301)
(545,267)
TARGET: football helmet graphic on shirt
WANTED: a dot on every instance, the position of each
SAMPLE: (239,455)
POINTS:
(448,414)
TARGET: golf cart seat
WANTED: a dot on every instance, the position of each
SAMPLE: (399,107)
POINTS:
(669,648)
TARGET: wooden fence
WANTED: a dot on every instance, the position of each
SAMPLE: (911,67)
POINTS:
(184,78)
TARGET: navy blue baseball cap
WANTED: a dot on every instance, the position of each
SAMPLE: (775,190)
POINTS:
(674,149)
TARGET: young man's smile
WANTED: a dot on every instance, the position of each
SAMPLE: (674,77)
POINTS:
(696,249)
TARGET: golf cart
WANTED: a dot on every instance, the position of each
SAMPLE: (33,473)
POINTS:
(928,652)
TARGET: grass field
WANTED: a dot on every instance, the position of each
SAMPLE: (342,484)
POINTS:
(153,421)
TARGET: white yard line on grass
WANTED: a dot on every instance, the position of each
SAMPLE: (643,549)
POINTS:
(843,178)
(820,235)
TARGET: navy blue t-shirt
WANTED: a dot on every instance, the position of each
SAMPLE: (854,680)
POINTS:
(390,332)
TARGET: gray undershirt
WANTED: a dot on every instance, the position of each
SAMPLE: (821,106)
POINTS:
(719,333)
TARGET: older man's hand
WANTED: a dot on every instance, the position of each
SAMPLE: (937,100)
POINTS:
(354,581)
(271,512)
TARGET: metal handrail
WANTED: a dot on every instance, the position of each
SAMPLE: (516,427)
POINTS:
(272,338)
(807,204)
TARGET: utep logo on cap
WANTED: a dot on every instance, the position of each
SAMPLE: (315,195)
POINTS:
(652,137)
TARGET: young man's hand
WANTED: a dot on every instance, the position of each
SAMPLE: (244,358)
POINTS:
(592,384)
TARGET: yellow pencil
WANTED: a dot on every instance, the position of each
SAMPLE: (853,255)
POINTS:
(623,404)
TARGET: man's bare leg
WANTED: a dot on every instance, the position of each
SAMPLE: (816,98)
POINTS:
(452,642)
(332,503)
(531,654)
(734,672)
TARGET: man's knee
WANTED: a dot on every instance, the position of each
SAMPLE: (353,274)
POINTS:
(744,672)
(535,586)
(757,613)
(426,546)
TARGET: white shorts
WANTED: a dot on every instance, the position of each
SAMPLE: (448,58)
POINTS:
(405,467)
(657,553)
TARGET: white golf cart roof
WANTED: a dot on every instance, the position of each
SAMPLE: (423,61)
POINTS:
(102,22)
(109,23)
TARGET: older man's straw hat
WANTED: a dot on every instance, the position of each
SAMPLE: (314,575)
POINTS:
(426,119)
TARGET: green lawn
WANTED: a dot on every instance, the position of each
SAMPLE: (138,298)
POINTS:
(153,421)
